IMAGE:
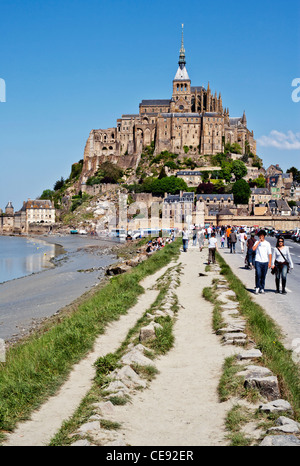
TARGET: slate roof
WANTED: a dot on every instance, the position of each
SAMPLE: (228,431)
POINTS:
(37,204)
(211,114)
(225,211)
(155,102)
(260,191)
(198,88)
(215,196)
(182,115)
(186,197)
(235,121)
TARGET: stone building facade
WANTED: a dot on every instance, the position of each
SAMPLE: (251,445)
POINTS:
(33,212)
(192,121)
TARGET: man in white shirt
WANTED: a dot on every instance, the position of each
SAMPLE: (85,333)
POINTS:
(212,248)
(263,261)
(209,232)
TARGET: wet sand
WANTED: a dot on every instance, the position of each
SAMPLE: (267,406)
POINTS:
(80,266)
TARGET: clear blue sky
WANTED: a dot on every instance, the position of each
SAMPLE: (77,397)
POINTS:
(72,65)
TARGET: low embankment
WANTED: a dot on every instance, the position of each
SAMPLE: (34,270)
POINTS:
(36,368)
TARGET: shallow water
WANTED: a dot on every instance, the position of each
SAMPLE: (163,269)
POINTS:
(21,256)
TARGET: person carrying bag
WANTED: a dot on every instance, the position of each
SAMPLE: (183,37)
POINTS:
(281,264)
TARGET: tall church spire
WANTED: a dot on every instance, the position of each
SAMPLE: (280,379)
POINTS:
(182,61)
(182,73)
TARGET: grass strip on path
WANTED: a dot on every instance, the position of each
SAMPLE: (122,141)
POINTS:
(35,369)
(268,339)
(108,363)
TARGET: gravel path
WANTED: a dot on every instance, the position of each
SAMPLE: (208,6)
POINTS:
(181,405)
(45,422)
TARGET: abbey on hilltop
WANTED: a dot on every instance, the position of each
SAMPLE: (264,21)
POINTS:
(192,118)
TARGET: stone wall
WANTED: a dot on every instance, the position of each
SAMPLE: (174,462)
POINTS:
(100,188)
(277,222)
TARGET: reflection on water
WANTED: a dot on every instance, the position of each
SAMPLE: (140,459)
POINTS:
(23,256)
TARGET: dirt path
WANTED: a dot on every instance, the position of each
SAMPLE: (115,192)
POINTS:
(181,406)
(45,422)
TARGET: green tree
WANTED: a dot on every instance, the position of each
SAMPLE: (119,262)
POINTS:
(169,184)
(241,192)
(259,182)
(205,176)
(234,148)
(47,194)
(295,172)
(239,169)
(225,173)
(219,187)
(59,184)
(107,173)
(76,169)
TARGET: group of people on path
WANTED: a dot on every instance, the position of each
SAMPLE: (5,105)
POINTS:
(259,254)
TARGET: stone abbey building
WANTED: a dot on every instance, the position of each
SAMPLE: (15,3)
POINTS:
(192,118)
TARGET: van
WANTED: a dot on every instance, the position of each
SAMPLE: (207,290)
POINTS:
(118,233)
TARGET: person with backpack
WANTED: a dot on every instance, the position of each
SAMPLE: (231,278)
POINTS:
(281,264)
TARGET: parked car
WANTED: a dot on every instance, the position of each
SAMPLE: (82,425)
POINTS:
(269,231)
(295,234)
(73,232)
(118,233)
(287,234)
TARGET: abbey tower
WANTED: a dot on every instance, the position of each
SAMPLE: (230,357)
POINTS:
(192,118)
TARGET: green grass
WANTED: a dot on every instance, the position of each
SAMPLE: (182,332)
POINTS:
(230,384)
(109,362)
(209,293)
(268,338)
(36,368)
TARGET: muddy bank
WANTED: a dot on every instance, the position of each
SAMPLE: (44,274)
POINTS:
(79,266)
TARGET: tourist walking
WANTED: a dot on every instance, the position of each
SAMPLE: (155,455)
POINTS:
(263,261)
(222,241)
(281,264)
(209,232)
(195,237)
(185,239)
(243,239)
(212,248)
(233,240)
(228,231)
(250,256)
(201,238)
